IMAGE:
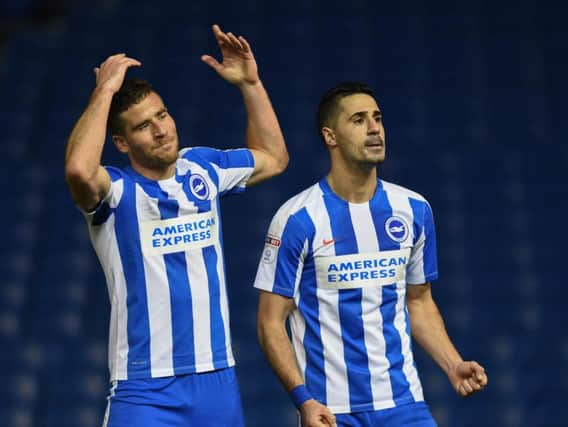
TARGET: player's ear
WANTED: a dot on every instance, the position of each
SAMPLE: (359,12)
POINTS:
(120,143)
(328,136)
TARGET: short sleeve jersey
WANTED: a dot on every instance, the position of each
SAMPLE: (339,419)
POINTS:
(160,247)
(347,267)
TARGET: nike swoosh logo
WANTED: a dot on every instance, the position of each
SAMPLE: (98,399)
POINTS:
(328,242)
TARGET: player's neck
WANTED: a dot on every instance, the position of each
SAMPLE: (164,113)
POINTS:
(354,186)
(155,174)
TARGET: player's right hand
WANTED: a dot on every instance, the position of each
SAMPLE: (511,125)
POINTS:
(468,377)
(110,74)
(314,414)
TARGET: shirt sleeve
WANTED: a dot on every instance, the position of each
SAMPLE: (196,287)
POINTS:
(282,259)
(423,264)
(106,206)
(232,167)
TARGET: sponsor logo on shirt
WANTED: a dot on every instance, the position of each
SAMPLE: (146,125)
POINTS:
(270,249)
(397,229)
(184,233)
(198,186)
(361,270)
(273,241)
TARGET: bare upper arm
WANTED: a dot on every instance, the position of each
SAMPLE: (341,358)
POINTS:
(265,166)
(88,192)
(274,307)
(418,293)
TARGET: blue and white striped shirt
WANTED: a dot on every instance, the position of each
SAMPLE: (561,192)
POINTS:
(347,266)
(160,246)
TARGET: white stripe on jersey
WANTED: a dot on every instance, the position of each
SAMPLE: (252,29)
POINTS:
(200,298)
(372,318)
(297,322)
(107,251)
(223,298)
(157,295)
(183,166)
(228,181)
(118,353)
(337,384)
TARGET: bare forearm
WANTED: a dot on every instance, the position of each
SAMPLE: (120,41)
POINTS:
(263,130)
(278,350)
(429,331)
(88,181)
(85,144)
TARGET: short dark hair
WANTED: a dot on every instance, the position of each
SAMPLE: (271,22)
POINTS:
(328,106)
(130,93)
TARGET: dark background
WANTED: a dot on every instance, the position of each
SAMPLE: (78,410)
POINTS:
(473,96)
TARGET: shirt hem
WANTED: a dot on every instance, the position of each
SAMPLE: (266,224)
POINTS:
(371,406)
(428,278)
(285,292)
(161,373)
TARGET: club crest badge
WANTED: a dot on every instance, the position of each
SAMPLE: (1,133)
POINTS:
(198,187)
(397,229)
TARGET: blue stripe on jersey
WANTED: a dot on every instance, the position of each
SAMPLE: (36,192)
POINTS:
(183,352)
(309,306)
(138,323)
(293,238)
(424,222)
(239,158)
(114,173)
(350,310)
(417,207)
(430,258)
(381,210)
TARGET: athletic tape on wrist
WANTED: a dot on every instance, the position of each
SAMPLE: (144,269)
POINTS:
(299,395)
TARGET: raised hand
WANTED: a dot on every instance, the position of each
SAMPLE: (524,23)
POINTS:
(110,74)
(468,378)
(238,65)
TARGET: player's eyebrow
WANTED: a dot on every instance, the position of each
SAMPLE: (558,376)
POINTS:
(358,113)
(375,113)
(156,114)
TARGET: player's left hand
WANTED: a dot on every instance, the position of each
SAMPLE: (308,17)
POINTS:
(468,377)
(238,66)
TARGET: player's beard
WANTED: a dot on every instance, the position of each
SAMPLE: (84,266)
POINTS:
(157,157)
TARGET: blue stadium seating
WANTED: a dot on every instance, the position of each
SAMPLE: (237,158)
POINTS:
(472,99)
